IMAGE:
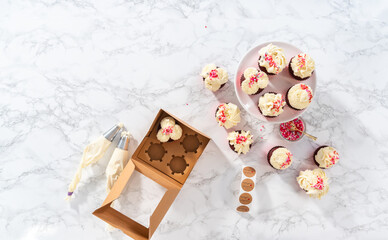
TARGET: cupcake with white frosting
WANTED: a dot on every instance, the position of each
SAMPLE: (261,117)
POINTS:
(314,182)
(279,157)
(228,115)
(214,77)
(272,59)
(271,104)
(169,131)
(299,96)
(240,141)
(326,157)
(301,66)
(253,81)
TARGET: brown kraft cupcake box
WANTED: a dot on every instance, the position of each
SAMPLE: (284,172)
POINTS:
(168,164)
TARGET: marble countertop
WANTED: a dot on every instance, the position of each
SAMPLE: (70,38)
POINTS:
(70,70)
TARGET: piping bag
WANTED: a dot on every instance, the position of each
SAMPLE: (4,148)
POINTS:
(116,165)
(92,153)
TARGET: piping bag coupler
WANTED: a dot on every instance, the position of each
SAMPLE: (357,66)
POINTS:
(92,153)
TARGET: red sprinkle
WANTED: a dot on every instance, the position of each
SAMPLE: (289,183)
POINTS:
(301,61)
(213,74)
(319,185)
(168,130)
(305,87)
(288,160)
(271,62)
(240,139)
(221,113)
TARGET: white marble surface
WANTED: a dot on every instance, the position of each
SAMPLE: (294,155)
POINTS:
(71,69)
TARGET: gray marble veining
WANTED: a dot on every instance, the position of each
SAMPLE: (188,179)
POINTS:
(71,69)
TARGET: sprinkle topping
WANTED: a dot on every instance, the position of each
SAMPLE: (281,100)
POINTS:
(255,78)
(277,105)
(268,58)
(168,130)
(333,158)
(240,139)
(213,74)
(305,87)
(221,112)
(319,185)
(301,61)
(288,160)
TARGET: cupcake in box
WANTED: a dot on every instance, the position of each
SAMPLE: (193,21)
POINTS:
(214,77)
(240,141)
(299,96)
(272,59)
(271,104)
(326,157)
(314,182)
(228,115)
(279,157)
(169,131)
(301,66)
(253,81)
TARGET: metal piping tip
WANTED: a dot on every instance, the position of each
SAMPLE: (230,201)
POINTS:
(124,141)
(111,133)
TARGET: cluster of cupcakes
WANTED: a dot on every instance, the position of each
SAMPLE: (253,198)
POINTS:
(254,80)
(228,116)
(313,182)
(272,61)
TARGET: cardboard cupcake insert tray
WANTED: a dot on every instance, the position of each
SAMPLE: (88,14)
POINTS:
(177,158)
(168,164)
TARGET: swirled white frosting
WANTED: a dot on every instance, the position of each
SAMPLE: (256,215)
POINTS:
(214,77)
(254,80)
(302,65)
(300,96)
(281,158)
(326,157)
(228,115)
(169,130)
(314,182)
(240,141)
(271,104)
(272,58)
